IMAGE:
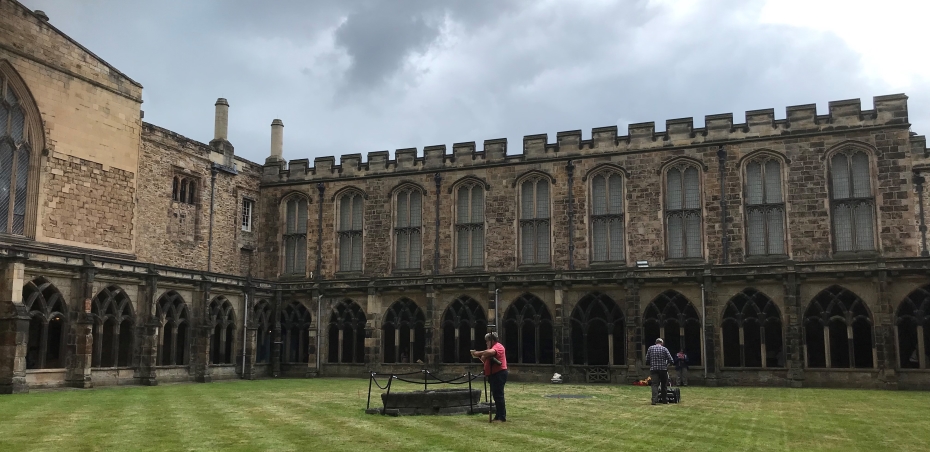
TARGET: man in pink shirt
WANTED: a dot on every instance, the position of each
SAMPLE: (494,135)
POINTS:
(495,367)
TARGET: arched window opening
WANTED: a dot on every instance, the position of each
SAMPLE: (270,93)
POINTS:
(222,322)
(853,205)
(351,207)
(15,152)
(534,221)
(111,311)
(683,215)
(347,333)
(408,237)
(765,207)
(48,316)
(469,226)
(912,324)
(403,333)
(838,331)
(528,332)
(261,320)
(464,325)
(672,317)
(752,331)
(607,237)
(598,332)
(295,236)
(174,344)
(295,333)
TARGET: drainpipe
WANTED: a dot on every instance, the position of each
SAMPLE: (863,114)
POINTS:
(319,332)
(704,329)
(319,234)
(438,179)
(497,313)
(570,168)
(245,326)
(213,172)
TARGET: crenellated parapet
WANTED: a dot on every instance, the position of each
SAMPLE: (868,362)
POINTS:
(890,110)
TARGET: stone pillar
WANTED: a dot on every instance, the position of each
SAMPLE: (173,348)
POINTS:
(14,328)
(794,329)
(432,331)
(708,354)
(276,336)
(200,346)
(634,324)
(148,333)
(373,339)
(249,333)
(80,349)
(560,335)
(251,346)
(884,351)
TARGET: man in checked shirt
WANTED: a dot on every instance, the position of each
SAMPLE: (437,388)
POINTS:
(659,358)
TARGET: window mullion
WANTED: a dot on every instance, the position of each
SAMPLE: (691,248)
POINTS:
(12,200)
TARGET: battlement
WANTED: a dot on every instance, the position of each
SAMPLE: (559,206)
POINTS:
(890,110)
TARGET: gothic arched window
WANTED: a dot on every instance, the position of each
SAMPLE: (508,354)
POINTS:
(464,325)
(534,221)
(607,237)
(349,234)
(295,236)
(672,317)
(295,333)
(469,225)
(20,136)
(912,323)
(408,234)
(683,215)
(853,205)
(527,331)
(765,207)
(222,323)
(48,319)
(598,332)
(111,310)
(403,332)
(347,333)
(261,320)
(752,332)
(838,330)
(174,332)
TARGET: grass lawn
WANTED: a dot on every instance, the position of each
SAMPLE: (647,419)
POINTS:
(328,414)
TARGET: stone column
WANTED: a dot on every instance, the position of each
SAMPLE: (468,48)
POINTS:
(884,352)
(148,333)
(249,333)
(14,328)
(80,349)
(634,326)
(373,339)
(432,331)
(708,354)
(200,331)
(794,328)
(561,355)
(276,336)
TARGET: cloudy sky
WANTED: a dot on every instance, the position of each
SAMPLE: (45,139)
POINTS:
(354,76)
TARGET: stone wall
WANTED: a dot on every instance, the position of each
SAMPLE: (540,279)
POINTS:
(177,233)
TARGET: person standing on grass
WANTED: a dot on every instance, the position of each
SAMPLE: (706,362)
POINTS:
(495,367)
(681,367)
(659,358)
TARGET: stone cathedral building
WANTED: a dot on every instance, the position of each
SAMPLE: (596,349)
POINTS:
(783,252)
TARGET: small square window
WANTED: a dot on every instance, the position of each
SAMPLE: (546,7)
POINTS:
(247,205)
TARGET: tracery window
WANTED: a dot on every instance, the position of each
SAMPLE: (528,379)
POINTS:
(469,226)
(15,153)
(912,324)
(598,332)
(351,207)
(222,322)
(464,325)
(347,333)
(683,215)
(852,203)
(607,217)
(838,330)
(111,310)
(261,320)
(765,207)
(534,221)
(528,331)
(174,332)
(672,317)
(295,236)
(403,333)
(408,237)
(752,331)
(183,190)
(295,333)
(48,320)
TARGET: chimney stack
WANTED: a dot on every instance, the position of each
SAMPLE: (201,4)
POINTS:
(221,128)
(277,140)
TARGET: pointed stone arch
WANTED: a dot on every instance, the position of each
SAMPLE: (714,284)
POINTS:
(113,331)
(528,332)
(674,318)
(464,324)
(404,333)
(598,331)
(912,329)
(48,324)
(751,331)
(22,140)
(222,323)
(174,339)
(838,331)
(262,319)
(347,333)
(295,321)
